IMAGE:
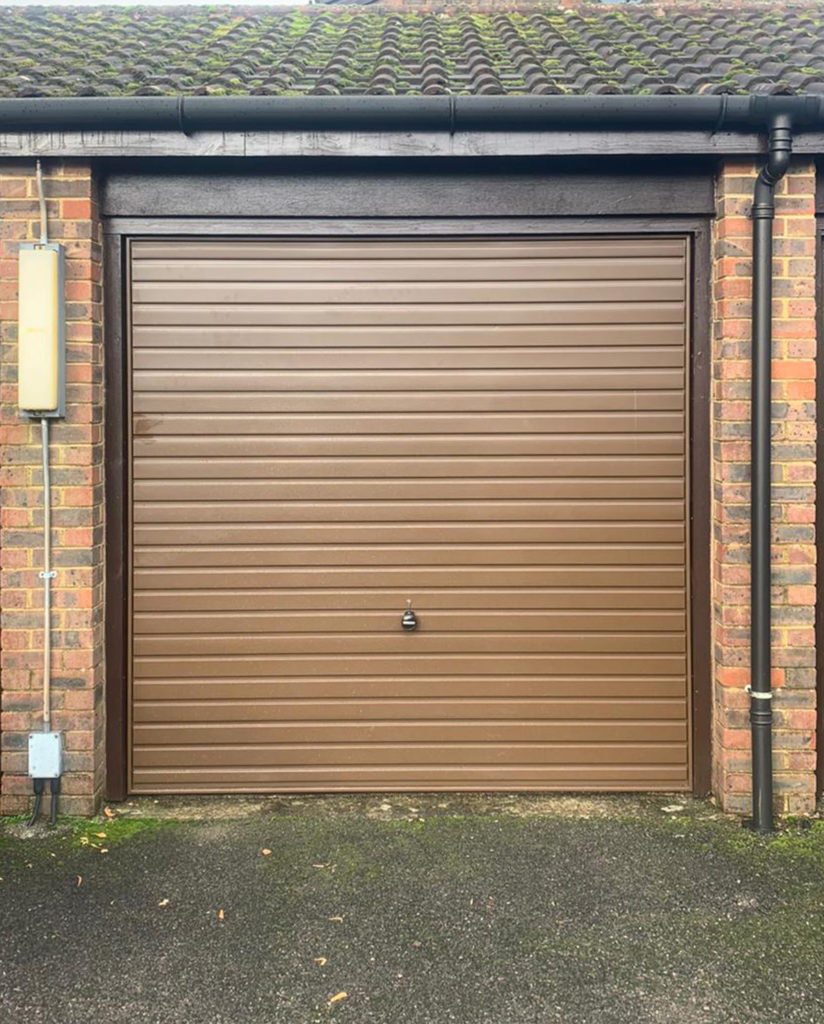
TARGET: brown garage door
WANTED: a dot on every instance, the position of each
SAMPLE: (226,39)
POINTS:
(492,429)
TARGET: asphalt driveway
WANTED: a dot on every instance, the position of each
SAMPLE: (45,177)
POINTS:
(421,910)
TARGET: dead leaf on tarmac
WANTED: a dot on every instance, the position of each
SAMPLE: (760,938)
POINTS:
(320,961)
(163,903)
(265,852)
(338,997)
(220,915)
(338,919)
(79,881)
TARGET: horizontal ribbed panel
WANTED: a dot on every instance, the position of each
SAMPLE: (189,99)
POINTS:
(495,430)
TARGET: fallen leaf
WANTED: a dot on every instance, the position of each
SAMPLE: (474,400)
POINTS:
(338,997)
(100,835)
(163,903)
(320,961)
(672,808)
(110,813)
(386,807)
(340,919)
(104,850)
(220,915)
(265,852)
(79,881)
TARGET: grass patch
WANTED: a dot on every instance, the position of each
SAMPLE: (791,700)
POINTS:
(97,833)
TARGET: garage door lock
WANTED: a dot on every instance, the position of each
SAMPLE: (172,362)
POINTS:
(409,620)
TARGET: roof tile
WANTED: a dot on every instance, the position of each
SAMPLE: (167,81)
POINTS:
(496,48)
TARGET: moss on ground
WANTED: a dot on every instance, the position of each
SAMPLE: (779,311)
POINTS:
(111,831)
(74,832)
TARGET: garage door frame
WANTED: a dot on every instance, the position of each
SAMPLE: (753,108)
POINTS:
(819,465)
(121,231)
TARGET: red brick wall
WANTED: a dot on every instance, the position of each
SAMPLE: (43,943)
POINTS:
(77,461)
(793,513)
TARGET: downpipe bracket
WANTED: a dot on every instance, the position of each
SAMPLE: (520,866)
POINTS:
(758,694)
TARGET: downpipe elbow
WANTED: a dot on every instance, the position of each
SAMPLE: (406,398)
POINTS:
(779,151)
(777,164)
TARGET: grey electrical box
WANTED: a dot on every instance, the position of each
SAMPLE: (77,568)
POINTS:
(45,755)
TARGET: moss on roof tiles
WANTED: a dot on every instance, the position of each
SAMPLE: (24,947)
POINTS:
(235,51)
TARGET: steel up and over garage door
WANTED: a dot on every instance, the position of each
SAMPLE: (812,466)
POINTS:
(492,429)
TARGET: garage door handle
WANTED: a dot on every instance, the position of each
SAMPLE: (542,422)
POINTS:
(409,620)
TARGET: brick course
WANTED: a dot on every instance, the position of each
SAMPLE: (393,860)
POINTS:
(793,510)
(77,497)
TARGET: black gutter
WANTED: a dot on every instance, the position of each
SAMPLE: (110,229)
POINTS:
(763,213)
(407,113)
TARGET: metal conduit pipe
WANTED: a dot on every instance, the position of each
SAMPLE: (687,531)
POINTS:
(763,214)
(47,575)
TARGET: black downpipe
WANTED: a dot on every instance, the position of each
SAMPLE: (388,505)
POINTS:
(763,213)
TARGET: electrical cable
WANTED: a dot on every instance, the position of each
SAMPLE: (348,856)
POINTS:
(38,799)
(54,786)
(39,787)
